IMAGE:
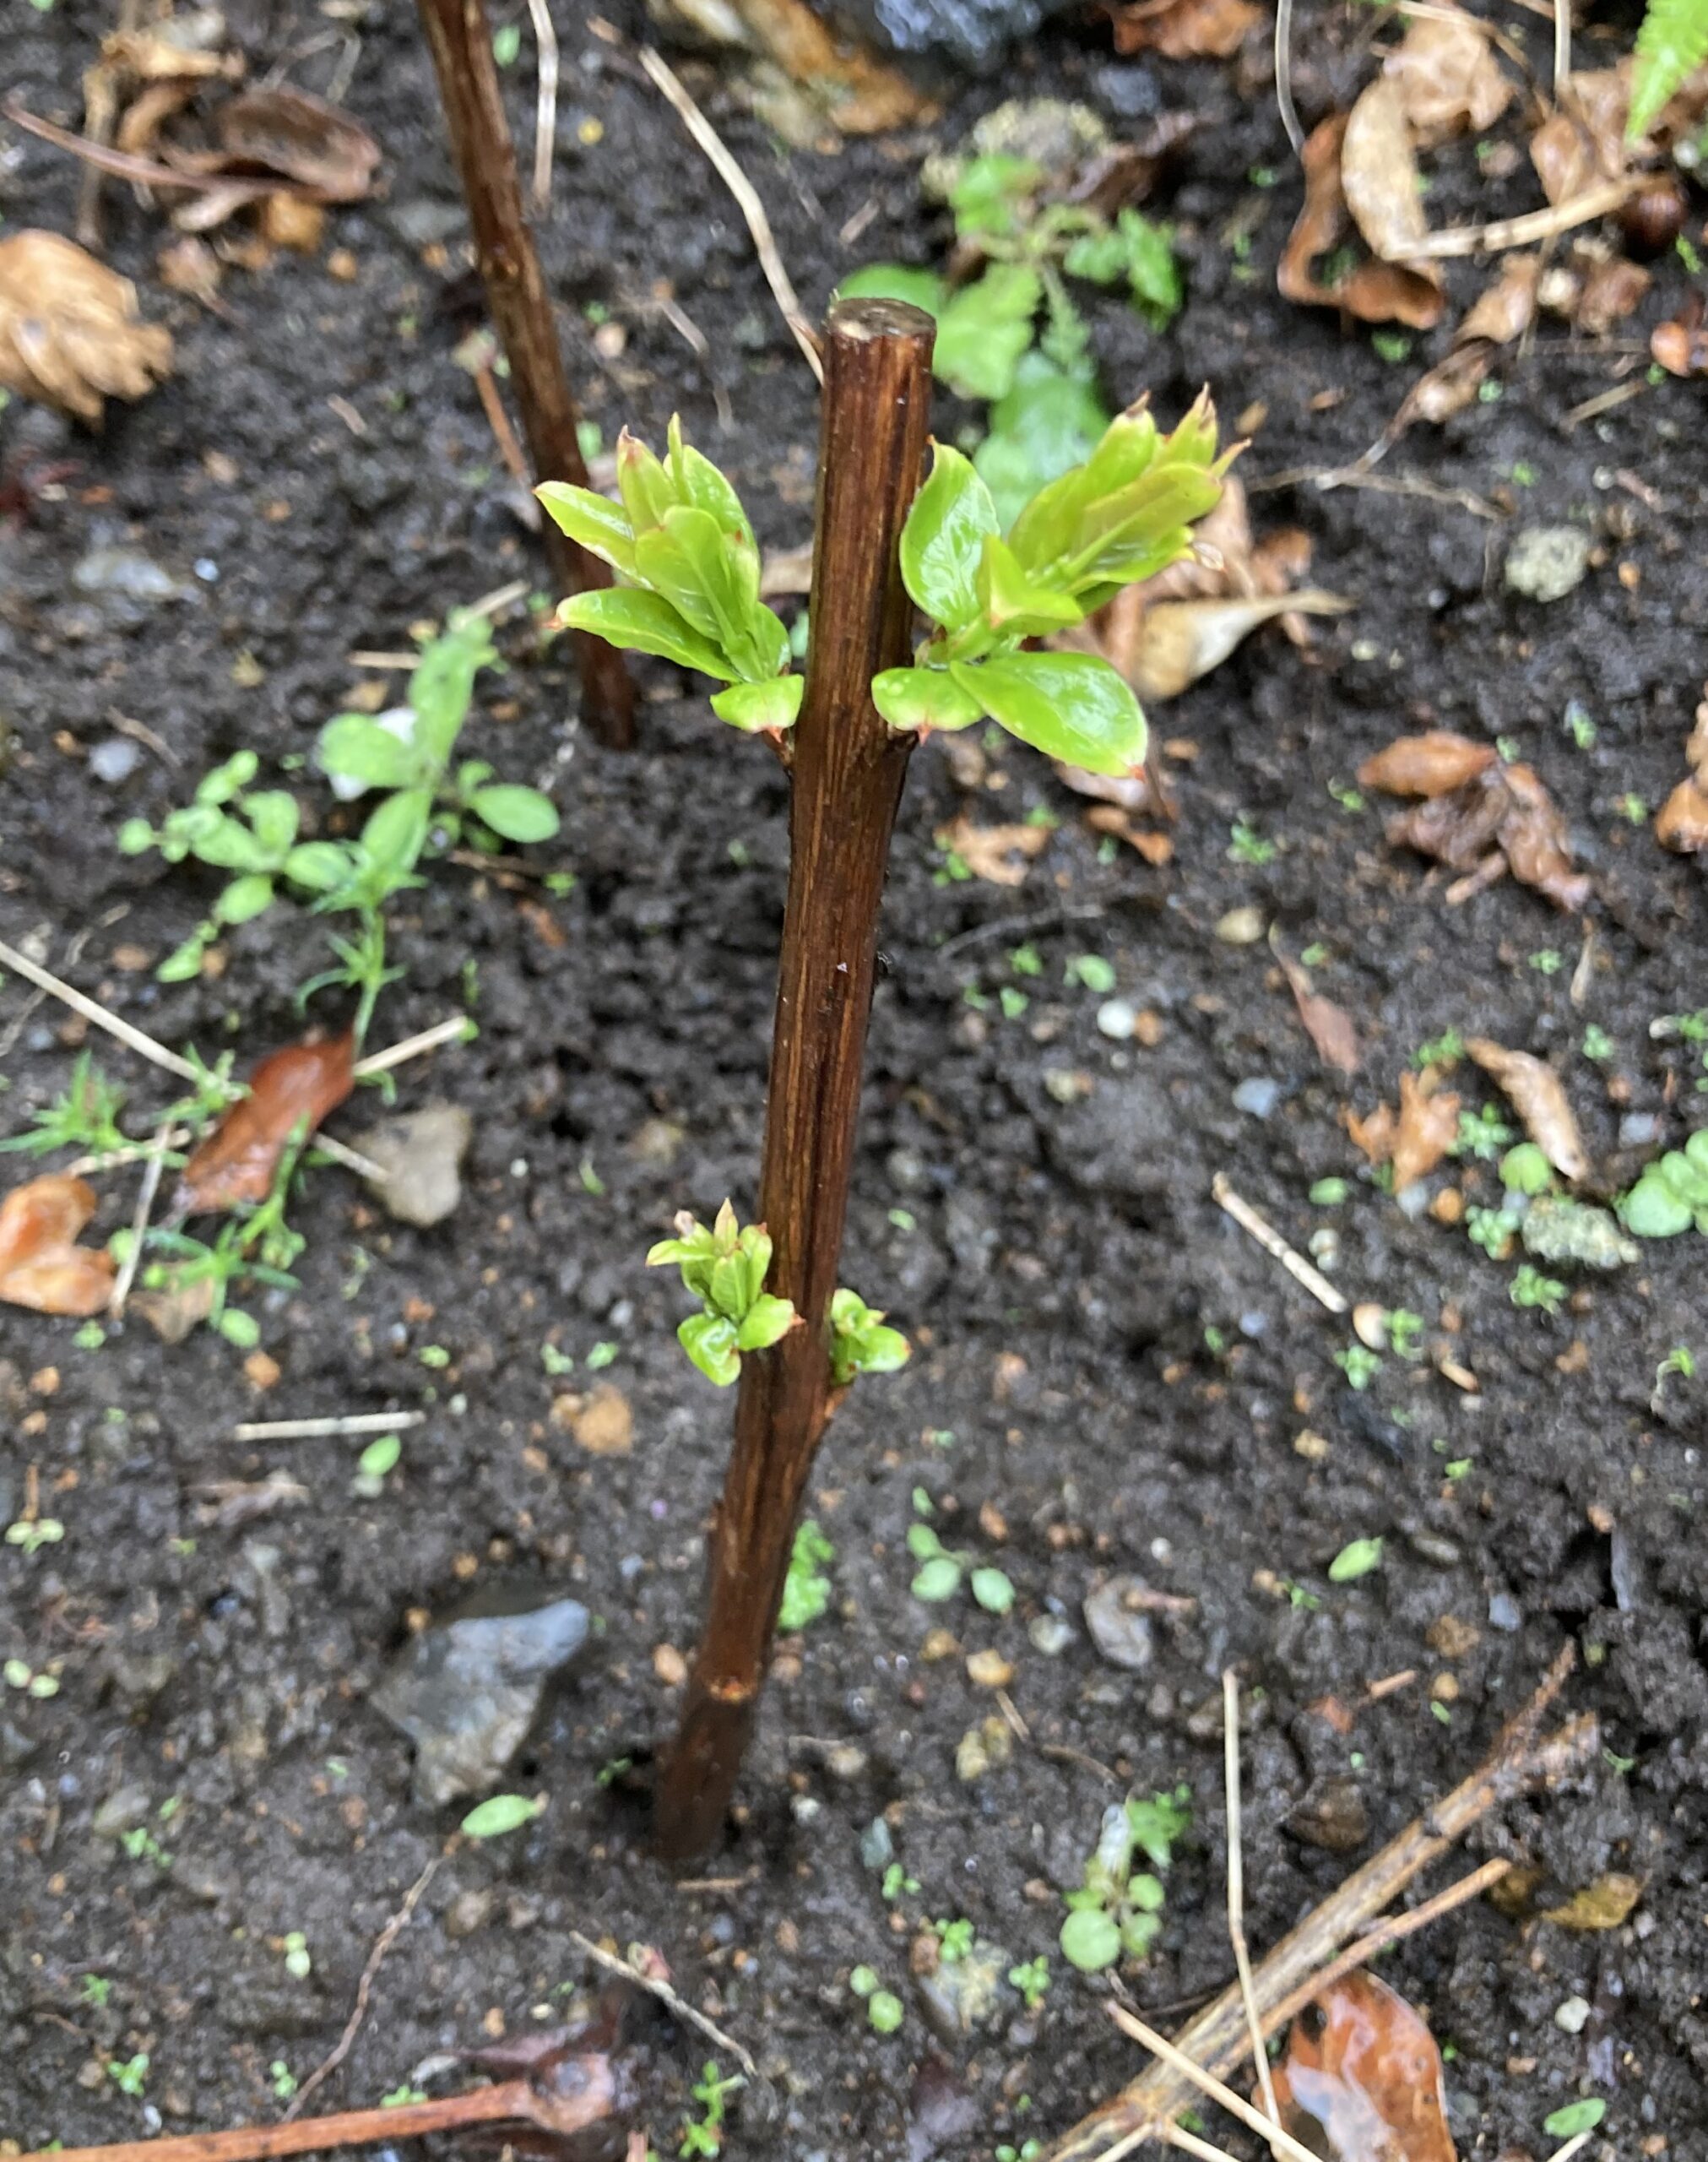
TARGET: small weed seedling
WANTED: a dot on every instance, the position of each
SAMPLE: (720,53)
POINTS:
(1671,1195)
(1360,1364)
(18,1673)
(1483,1134)
(991,581)
(85,1118)
(130,2075)
(1530,1287)
(1117,1913)
(428,804)
(1032,1979)
(897,1880)
(32,1534)
(704,2135)
(95,1993)
(884,2011)
(940,1573)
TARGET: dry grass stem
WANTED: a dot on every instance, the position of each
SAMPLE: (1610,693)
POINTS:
(1280,2141)
(665,1995)
(307,1430)
(364,1989)
(156,1163)
(1236,1889)
(545,102)
(1257,1227)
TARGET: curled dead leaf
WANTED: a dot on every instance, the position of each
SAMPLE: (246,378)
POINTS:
(1434,764)
(1501,819)
(1001,855)
(1178,641)
(290,1089)
(179,1304)
(1604,1904)
(1416,1140)
(1606,289)
(1373,291)
(71,334)
(1535,1092)
(1184,29)
(861,94)
(1448,77)
(1330,1026)
(1681,823)
(1379,176)
(41,1265)
(302,139)
(1681,345)
(1363,2074)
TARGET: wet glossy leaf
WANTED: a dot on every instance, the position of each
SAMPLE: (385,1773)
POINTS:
(709,1341)
(944,538)
(592,521)
(754,708)
(923,698)
(1363,2074)
(1068,705)
(515,813)
(646,622)
(296,1086)
(983,329)
(1015,603)
(766,1322)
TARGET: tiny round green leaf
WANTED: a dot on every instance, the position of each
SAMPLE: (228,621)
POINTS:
(1090,1940)
(515,813)
(939,1579)
(501,1812)
(992,1590)
(884,2011)
(1355,1561)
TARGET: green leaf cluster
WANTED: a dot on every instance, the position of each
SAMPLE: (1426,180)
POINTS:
(806,1589)
(941,1572)
(1117,1912)
(1123,515)
(688,567)
(1672,45)
(724,1267)
(1672,1194)
(860,1343)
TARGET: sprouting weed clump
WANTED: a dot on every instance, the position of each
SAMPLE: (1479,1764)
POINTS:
(806,1589)
(1009,332)
(1117,1911)
(427,805)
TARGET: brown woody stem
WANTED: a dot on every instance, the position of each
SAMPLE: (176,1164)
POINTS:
(514,2101)
(847,772)
(461,42)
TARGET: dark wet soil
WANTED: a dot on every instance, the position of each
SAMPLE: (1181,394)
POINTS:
(1109,1377)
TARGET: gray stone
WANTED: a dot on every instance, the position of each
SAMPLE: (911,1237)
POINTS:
(126,575)
(469,1911)
(1121,1632)
(968,1994)
(114,760)
(424,219)
(421,1154)
(1049,1634)
(1546,562)
(466,1692)
(1505,1612)
(877,1847)
(1257,1096)
(123,1810)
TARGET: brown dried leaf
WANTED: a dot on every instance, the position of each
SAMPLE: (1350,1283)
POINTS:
(189,265)
(1416,1141)
(146,115)
(1433,764)
(1178,641)
(1577,148)
(1681,823)
(292,1088)
(1533,1090)
(181,1305)
(1506,308)
(1603,1905)
(1363,2074)
(1448,78)
(41,1265)
(1001,855)
(863,95)
(70,332)
(1502,311)
(1157,849)
(1374,292)
(1532,835)
(1681,345)
(287,131)
(1330,1026)
(1610,291)
(1379,176)
(1184,29)
(189,46)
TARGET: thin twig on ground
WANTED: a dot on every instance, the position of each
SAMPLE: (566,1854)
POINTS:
(454,1030)
(1522,1760)
(664,78)
(305,1429)
(544,104)
(1236,1888)
(1280,2141)
(156,1163)
(364,1989)
(73,954)
(1259,1228)
(351,1159)
(1562,50)
(91,1010)
(678,2003)
(1324,478)
(1283,76)
(1502,233)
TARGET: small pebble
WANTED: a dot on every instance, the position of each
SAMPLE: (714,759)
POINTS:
(877,1847)
(114,760)
(989,1669)
(1121,1632)
(1431,1546)
(670,1665)
(1049,1634)
(1241,927)
(1118,1017)
(1637,1129)
(1257,1096)
(1414,1200)
(1573,2016)
(1546,562)
(1505,1612)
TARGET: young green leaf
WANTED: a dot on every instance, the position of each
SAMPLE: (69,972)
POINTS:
(1050,421)
(356,748)
(942,541)
(646,623)
(591,521)
(992,1590)
(1672,45)
(501,1813)
(983,329)
(894,281)
(321,866)
(1090,1940)
(1015,604)
(396,834)
(515,813)
(766,1323)
(939,1579)
(754,708)
(1575,2117)
(709,1341)
(1355,1561)
(923,698)
(1072,706)
(244,898)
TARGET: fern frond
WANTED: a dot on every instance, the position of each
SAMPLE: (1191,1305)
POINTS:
(1672,45)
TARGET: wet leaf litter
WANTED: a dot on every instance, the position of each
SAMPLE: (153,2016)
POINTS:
(1213,723)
